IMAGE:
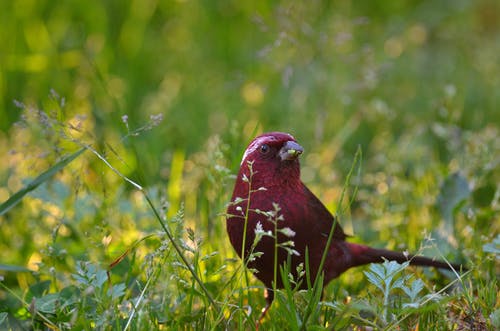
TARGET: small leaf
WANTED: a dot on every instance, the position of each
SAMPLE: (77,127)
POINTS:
(378,269)
(493,247)
(13,268)
(454,190)
(412,292)
(374,279)
(494,318)
(117,290)
(100,278)
(399,283)
(3,317)
(47,303)
(411,305)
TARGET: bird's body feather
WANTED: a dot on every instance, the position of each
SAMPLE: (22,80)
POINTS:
(269,177)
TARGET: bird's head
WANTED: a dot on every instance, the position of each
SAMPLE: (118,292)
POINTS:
(273,157)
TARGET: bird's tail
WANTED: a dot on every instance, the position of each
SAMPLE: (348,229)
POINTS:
(362,255)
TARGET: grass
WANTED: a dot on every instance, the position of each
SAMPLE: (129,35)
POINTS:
(174,276)
(130,234)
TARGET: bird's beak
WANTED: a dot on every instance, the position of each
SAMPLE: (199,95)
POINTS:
(290,151)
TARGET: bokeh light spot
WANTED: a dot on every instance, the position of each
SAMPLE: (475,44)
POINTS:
(417,34)
(252,93)
(393,47)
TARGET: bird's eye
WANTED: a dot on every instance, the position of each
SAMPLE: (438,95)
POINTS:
(264,149)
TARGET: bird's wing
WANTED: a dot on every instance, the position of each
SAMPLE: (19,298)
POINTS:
(323,218)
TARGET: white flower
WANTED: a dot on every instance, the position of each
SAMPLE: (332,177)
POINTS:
(288,232)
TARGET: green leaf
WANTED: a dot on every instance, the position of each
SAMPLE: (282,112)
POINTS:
(412,292)
(13,268)
(47,304)
(117,290)
(69,296)
(38,289)
(454,190)
(375,279)
(19,195)
(493,247)
(495,318)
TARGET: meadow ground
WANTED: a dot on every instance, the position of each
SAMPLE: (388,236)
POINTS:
(122,126)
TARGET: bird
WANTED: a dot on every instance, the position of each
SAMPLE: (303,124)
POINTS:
(271,203)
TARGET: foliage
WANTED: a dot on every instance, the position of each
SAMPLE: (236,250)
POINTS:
(163,97)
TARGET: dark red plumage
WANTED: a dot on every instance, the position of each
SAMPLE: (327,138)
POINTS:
(275,179)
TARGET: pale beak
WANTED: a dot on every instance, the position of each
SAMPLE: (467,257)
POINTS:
(290,151)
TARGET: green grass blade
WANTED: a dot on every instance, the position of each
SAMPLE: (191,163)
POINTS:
(13,268)
(19,195)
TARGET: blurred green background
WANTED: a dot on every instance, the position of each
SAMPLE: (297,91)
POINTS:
(415,84)
(407,81)
(303,67)
(404,80)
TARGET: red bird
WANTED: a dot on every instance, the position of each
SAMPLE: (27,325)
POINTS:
(268,196)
